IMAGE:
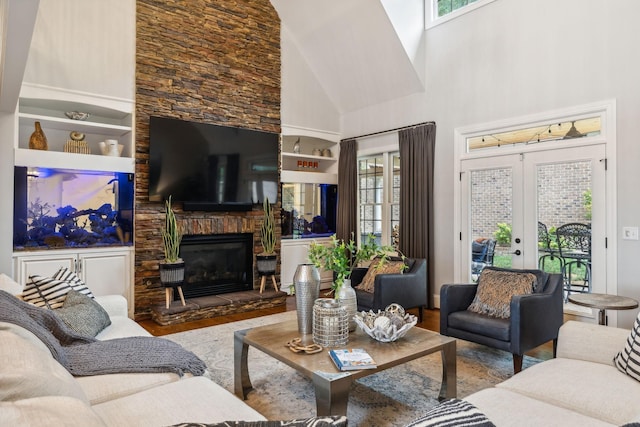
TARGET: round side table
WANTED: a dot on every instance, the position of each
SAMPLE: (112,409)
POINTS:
(603,302)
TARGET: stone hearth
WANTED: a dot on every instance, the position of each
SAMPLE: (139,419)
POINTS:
(217,305)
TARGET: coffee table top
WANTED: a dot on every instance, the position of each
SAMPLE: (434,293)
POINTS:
(603,301)
(272,339)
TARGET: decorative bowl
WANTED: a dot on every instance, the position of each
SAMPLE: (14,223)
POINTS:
(77,115)
(388,325)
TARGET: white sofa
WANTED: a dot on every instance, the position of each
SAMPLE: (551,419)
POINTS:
(580,387)
(35,390)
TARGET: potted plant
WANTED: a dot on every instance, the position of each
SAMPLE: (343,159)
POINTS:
(172,266)
(342,257)
(266,261)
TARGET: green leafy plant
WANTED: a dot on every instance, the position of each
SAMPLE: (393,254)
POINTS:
(342,257)
(503,234)
(587,202)
(171,235)
(267,230)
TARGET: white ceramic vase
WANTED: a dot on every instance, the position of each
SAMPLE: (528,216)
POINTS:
(347,297)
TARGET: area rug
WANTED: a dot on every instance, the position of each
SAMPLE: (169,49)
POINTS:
(393,397)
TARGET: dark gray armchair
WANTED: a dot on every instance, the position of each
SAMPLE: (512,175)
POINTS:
(408,289)
(534,320)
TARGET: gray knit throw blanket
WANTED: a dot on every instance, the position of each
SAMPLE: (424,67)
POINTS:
(87,356)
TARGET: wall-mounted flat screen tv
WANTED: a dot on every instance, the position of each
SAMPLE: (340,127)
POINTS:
(209,167)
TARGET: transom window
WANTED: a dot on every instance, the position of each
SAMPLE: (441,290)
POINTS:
(379,196)
(440,11)
(559,131)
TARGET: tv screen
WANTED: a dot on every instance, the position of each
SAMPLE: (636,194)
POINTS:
(211,167)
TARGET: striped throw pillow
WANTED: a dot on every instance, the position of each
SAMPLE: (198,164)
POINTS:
(50,292)
(628,360)
(72,278)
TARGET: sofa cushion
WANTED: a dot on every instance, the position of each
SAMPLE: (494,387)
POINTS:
(195,399)
(592,389)
(48,411)
(27,371)
(83,314)
(49,292)
(102,388)
(506,408)
(7,284)
(497,287)
(388,267)
(628,359)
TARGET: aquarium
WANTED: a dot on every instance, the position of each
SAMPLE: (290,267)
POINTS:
(62,208)
(308,210)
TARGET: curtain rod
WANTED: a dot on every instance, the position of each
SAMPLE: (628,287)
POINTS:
(390,130)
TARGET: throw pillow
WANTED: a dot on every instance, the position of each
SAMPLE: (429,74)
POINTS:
(497,287)
(453,412)
(83,314)
(628,360)
(319,421)
(389,267)
(72,278)
(45,291)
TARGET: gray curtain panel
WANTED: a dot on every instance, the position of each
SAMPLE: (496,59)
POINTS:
(417,148)
(347,219)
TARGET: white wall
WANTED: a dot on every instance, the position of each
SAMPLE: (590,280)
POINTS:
(86,46)
(304,102)
(513,58)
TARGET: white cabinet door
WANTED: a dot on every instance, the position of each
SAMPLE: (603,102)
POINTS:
(106,273)
(48,265)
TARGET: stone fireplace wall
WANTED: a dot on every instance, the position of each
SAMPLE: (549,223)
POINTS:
(209,61)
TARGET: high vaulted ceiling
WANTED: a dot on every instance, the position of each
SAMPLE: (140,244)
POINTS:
(352,48)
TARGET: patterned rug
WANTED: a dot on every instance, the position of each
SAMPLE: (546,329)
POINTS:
(393,397)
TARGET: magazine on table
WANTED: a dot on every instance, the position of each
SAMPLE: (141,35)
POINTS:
(352,359)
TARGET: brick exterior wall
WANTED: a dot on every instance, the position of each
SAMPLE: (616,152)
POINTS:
(208,61)
(560,187)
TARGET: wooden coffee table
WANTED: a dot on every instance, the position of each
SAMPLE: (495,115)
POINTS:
(331,385)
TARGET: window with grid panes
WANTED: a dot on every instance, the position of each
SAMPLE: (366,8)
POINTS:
(379,196)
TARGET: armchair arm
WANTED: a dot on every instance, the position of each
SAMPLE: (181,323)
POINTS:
(536,318)
(454,298)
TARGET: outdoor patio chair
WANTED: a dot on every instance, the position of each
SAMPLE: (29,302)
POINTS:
(574,247)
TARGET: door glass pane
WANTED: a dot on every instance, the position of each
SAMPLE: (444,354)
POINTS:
(564,197)
(395,200)
(491,218)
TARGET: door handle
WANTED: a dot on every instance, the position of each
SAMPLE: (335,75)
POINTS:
(517,252)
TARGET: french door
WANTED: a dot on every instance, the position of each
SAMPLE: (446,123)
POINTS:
(506,197)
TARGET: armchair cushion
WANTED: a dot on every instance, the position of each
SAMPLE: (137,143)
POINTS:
(497,287)
(389,267)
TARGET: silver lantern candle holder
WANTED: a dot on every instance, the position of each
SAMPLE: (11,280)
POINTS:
(330,323)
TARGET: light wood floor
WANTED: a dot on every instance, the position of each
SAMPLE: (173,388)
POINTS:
(431,321)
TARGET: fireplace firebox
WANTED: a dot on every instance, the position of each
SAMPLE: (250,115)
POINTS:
(217,264)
